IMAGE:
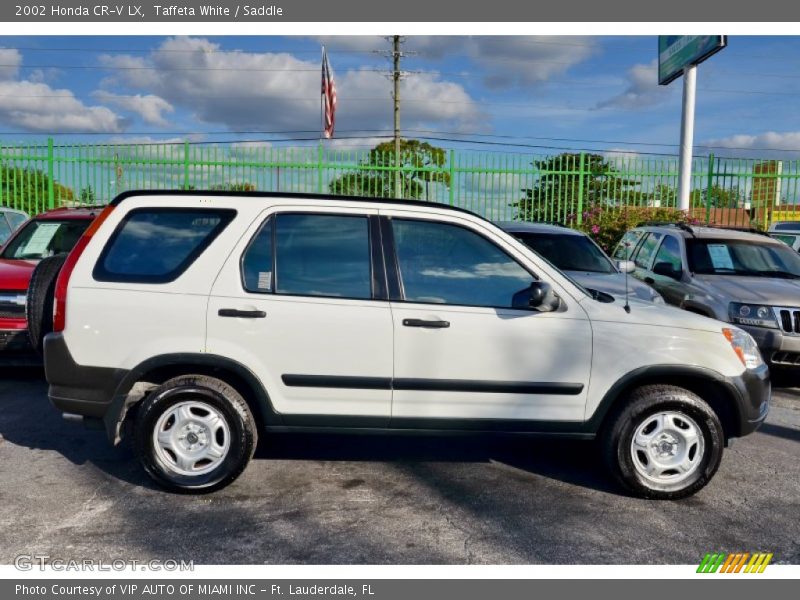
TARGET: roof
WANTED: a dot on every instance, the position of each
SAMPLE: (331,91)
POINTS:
(289,195)
(523,227)
(708,233)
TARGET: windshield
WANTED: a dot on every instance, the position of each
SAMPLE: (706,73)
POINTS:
(743,258)
(39,239)
(568,252)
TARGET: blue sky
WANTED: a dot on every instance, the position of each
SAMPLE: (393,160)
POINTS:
(539,91)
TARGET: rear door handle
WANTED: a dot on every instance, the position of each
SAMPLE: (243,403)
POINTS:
(426,324)
(241,314)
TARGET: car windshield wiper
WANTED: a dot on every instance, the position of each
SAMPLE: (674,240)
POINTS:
(777,274)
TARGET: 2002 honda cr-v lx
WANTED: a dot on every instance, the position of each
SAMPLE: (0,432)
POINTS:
(194,321)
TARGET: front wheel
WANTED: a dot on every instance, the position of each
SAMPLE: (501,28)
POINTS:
(664,443)
(194,434)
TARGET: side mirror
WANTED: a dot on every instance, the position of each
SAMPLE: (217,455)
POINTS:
(626,266)
(539,296)
(666,269)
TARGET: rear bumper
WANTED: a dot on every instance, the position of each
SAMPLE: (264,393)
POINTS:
(76,389)
(778,349)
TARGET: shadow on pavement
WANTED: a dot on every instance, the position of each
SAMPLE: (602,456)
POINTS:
(780,431)
(27,419)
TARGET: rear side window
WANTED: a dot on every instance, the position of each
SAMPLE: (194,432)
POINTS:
(627,244)
(156,245)
(323,255)
(15,219)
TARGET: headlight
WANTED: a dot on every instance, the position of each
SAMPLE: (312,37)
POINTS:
(752,314)
(744,346)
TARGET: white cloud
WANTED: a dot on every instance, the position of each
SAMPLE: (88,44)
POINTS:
(642,89)
(770,144)
(280,92)
(503,61)
(148,106)
(38,107)
(10,61)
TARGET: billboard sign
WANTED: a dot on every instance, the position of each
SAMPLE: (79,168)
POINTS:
(678,51)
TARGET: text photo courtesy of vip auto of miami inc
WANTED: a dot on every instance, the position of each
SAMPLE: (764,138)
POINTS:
(399,300)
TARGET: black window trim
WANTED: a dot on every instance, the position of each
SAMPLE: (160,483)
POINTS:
(397,292)
(99,273)
(378,282)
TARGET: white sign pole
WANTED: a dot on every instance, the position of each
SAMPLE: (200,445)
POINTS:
(687,136)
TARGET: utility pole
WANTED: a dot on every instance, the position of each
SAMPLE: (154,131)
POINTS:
(687,137)
(398,182)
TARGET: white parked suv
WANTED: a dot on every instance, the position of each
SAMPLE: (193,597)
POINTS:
(195,321)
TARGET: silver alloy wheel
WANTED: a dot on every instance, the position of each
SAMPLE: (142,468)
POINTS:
(667,447)
(191,438)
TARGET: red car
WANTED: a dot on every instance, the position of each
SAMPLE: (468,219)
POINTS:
(48,234)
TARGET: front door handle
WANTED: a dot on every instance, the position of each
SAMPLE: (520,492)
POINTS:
(241,314)
(426,324)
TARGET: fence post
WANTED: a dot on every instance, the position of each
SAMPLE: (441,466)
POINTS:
(51,187)
(581,168)
(709,183)
(185,164)
(451,192)
(319,167)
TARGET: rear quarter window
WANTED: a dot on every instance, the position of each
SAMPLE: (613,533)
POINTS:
(157,245)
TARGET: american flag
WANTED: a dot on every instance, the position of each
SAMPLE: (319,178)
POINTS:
(328,97)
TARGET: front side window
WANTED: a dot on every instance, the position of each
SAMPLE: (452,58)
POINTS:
(646,250)
(627,244)
(156,245)
(447,264)
(670,253)
(323,255)
(46,237)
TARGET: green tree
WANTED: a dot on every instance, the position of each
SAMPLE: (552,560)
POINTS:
(717,197)
(422,166)
(561,182)
(29,189)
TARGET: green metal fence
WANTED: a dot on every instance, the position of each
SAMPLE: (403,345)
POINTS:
(557,186)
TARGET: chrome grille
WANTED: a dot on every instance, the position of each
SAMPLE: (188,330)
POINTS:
(12,304)
(790,320)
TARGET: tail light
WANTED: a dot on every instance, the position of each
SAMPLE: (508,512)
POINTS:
(60,301)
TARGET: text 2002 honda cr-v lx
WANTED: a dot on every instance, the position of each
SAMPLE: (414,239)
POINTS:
(204,319)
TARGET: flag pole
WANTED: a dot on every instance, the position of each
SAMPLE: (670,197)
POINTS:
(321,99)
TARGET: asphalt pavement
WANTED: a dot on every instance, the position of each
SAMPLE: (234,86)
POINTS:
(330,499)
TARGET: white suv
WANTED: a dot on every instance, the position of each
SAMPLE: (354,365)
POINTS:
(203,319)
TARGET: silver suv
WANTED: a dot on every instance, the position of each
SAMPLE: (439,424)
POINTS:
(744,278)
(787,232)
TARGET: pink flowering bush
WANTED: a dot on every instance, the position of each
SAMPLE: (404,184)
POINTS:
(607,225)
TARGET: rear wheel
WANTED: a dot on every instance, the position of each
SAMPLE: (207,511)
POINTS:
(665,442)
(39,303)
(194,434)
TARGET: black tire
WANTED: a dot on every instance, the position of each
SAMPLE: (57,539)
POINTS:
(642,405)
(41,294)
(212,392)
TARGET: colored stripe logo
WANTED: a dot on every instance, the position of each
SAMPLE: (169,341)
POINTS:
(740,562)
